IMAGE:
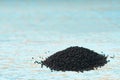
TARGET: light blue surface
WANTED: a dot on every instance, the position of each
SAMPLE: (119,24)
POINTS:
(31,29)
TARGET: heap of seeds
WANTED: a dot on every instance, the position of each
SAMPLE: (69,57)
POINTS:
(75,59)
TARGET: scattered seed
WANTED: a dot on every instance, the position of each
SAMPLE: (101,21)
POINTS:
(32,57)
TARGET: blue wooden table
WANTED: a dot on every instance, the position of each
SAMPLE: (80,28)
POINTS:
(41,28)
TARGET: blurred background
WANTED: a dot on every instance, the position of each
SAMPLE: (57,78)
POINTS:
(33,28)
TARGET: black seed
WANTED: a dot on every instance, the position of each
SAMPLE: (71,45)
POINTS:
(112,56)
(37,62)
(76,58)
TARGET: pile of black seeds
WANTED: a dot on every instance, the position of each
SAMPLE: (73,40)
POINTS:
(75,59)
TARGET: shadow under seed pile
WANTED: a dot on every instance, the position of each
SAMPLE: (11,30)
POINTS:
(75,59)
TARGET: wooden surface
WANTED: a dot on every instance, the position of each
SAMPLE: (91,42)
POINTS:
(34,29)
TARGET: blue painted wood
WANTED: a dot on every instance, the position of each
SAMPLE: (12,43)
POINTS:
(31,30)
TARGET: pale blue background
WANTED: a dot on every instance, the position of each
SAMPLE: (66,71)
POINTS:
(31,28)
